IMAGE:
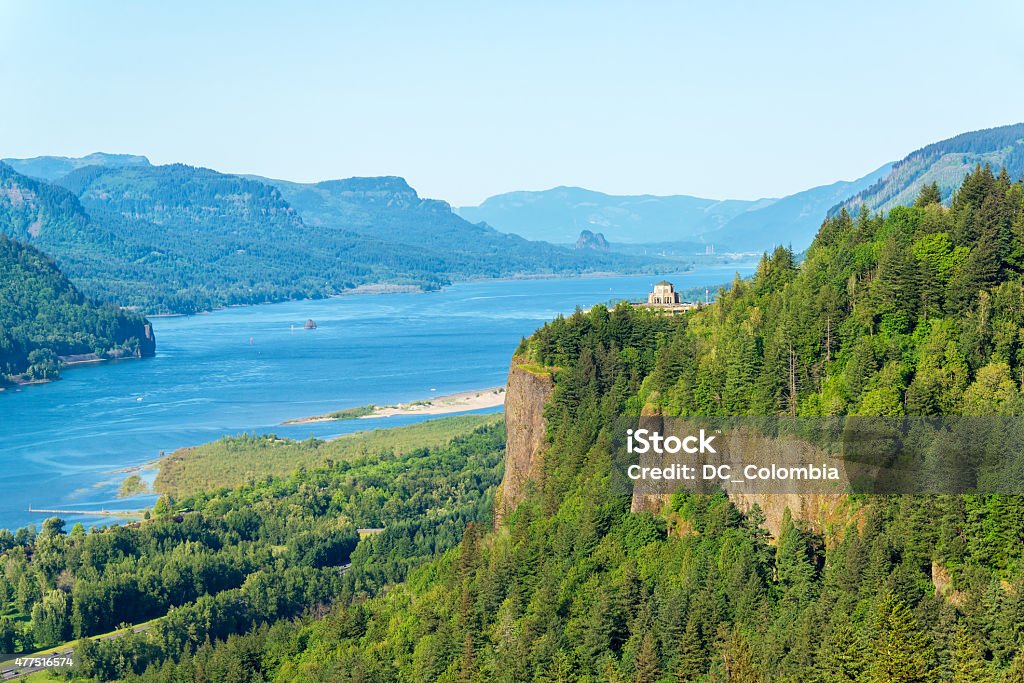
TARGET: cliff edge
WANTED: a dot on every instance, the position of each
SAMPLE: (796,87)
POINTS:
(529,388)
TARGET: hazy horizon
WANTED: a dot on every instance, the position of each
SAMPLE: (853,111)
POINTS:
(465,103)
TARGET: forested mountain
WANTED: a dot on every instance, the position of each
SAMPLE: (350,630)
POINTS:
(944,163)
(731,225)
(387,209)
(183,239)
(55,168)
(42,317)
(918,312)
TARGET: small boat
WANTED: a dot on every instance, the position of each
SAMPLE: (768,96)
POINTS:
(310,325)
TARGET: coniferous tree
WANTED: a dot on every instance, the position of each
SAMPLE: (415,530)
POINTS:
(900,653)
(648,667)
(968,665)
(929,194)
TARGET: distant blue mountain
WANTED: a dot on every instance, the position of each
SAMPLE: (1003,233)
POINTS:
(55,168)
(560,214)
(178,238)
(790,221)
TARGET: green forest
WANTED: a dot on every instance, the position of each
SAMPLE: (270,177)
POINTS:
(226,561)
(182,239)
(43,316)
(916,312)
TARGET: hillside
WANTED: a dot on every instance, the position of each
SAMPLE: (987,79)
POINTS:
(914,313)
(183,239)
(731,225)
(944,163)
(791,221)
(389,210)
(43,317)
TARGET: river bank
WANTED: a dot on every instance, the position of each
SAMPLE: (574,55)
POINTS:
(245,371)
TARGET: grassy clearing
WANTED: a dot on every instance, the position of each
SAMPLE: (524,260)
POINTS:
(233,461)
(352,413)
(538,370)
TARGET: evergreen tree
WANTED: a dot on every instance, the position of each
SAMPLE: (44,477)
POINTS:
(968,665)
(841,656)
(691,662)
(738,660)
(929,194)
(648,666)
(900,653)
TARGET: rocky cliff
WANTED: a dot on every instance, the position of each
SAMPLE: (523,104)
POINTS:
(529,388)
(593,241)
(821,511)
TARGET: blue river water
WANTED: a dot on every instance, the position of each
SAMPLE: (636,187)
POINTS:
(248,369)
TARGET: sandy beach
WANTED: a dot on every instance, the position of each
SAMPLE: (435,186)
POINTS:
(475,399)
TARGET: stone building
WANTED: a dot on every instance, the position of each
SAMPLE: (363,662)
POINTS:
(664,294)
(665,299)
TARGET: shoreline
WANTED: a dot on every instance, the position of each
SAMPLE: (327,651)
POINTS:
(392,288)
(474,399)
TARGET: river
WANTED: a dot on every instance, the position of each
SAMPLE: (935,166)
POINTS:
(248,369)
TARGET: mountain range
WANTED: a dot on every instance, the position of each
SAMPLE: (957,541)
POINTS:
(560,214)
(50,168)
(690,223)
(177,238)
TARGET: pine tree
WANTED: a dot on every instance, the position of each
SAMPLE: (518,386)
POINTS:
(691,661)
(900,653)
(647,665)
(468,660)
(841,657)
(738,658)
(794,570)
(968,664)
(929,194)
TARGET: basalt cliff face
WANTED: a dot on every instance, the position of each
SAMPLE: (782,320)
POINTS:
(530,387)
(528,390)
(821,511)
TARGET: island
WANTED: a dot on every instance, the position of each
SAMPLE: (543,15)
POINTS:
(476,399)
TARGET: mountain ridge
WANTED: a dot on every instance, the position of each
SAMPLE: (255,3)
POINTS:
(945,163)
(180,238)
(730,224)
(51,168)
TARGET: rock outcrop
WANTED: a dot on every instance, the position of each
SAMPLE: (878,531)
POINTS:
(591,240)
(529,388)
(821,511)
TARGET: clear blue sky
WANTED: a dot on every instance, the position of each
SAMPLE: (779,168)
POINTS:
(717,99)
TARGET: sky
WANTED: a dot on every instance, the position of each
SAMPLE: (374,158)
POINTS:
(467,100)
